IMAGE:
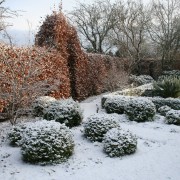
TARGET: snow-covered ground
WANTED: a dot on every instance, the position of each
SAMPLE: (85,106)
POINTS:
(157,156)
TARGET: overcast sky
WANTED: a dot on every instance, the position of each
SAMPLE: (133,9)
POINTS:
(31,13)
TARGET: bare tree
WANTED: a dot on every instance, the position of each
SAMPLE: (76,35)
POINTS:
(4,14)
(95,22)
(164,29)
(130,31)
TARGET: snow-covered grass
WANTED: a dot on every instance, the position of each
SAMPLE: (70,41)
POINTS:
(157,156)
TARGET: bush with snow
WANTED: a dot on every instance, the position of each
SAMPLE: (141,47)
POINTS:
(103,100)
(140,80)
(45,142)
(118,142)
(144,90)
(15,134)
(40,104)
(65,111)
(163,110)
(116,104)
(97,125)
(173,117)
(173,103)
(140,110)
(171,73)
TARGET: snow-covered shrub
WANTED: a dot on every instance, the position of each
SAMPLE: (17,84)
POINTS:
(118,142)
(140,80)
(171,73)
(103,100)
(173,103)
(173,117)
(144,90)
(65,111)
(15,134)
(163,110)
(140,110)
(97,125)
(116,104)
(40,104)
(46,142)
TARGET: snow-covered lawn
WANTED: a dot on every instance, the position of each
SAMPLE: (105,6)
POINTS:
(157,156)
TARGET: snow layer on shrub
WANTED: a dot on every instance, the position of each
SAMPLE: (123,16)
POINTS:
(173,117)
(45,142)
(65,111)
(118,142)
(116,104)
(15,135)
(163,110)
(40,104)
(140,109)
(140,80)
(170,73)
(144,90)
(173,103)
(97,125)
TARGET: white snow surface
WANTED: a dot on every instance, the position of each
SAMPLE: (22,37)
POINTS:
(157,156)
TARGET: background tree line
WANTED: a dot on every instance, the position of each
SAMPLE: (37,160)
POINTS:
(130,29)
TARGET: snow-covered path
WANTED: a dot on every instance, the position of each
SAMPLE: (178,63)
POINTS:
(157,156)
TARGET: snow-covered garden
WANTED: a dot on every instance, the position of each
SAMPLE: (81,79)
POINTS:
(144,144)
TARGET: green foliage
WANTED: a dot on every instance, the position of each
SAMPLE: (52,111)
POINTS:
(116,104)
(46,142)
(173,117)
(40,104)
(140,80)
(97,126)
(173,103)
(15,135)
(140,110)
(167,86)
(119,143)
(163,110)
(65,111)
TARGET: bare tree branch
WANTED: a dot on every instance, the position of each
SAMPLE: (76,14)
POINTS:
(95,22)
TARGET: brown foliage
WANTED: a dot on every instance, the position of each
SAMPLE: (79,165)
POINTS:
(56,66)
(63,37)
(106,73)
(87,72)
(30,72)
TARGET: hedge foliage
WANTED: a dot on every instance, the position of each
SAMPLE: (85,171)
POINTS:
(46,142)
(118,142)
(140,110)
(97,126)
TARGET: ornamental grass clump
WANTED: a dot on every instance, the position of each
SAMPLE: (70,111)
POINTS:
(45,142)
(118,142)
(140,110)
(65,111)
(167,86)
(97,126)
